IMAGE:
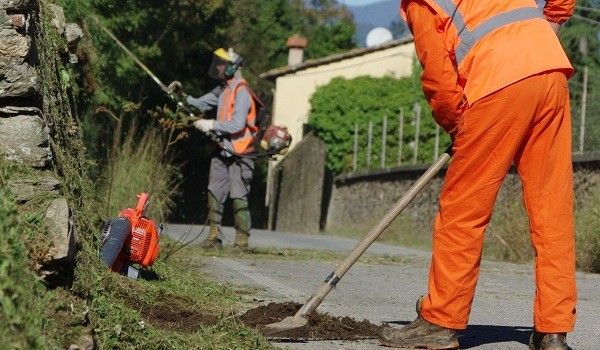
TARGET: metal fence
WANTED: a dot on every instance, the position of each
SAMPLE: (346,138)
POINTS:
(585,112)
(397,140)
(402,139)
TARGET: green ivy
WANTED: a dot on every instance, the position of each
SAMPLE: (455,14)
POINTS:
(338,107)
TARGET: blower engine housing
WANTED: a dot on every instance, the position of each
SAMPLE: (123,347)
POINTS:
(130,239)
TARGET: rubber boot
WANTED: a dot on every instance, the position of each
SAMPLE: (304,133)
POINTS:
(242,224)
(213,240)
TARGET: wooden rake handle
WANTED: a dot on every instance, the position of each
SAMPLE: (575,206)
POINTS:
(315,300)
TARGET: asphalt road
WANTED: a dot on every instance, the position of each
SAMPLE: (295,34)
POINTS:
(500,318)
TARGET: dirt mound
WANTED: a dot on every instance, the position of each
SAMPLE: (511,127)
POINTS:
(179,317)
(320,326)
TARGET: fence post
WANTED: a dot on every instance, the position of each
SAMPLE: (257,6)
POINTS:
(583,106)
(369,144)
(417,113)
(355,154)
(400,135)
(437,141)
(383,141)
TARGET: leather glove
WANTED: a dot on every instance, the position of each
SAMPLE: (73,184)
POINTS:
(175,88)
(204,125)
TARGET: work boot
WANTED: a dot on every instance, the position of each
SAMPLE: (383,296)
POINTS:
(548,341)
(212,241)
(419,334)
(241,241)
(418,305)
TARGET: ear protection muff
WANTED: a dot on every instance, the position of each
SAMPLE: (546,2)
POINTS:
(232,67)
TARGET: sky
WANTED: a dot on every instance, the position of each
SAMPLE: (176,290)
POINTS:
(358,2)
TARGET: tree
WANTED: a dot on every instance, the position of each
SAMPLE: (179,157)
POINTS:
(175,39)
(328,26)
(580,37)
(399,29)
(259,33)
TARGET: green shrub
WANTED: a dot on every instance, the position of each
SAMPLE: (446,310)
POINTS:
(338,107)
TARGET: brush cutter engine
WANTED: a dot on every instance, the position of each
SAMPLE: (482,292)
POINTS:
(276,139)
(130,239)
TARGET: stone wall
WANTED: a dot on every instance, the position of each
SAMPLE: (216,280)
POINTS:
(25,136)
(360,200)
(297,196)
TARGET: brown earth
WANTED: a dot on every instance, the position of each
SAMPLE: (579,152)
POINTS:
(178,317)
(320,326)
(173,315)
(182,320)
(177,314)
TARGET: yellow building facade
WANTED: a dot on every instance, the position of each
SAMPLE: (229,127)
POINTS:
(295,84)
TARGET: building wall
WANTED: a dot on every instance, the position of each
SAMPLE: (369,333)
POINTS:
(293,91)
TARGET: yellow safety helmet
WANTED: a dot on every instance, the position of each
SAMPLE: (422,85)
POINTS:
(224,64)
(220,52)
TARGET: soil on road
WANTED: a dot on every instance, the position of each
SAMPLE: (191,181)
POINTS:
(385,295)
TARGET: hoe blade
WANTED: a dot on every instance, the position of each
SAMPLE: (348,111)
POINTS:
(289,327)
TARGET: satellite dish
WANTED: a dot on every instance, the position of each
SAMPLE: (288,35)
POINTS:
(378,36)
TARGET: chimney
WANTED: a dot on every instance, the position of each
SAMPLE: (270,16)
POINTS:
(296,44)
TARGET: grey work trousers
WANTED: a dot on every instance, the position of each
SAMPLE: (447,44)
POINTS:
(230,176)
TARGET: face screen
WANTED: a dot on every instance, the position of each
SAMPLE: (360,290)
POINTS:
(217,67)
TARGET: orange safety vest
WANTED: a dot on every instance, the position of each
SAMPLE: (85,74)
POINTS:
(495,43)
(242,141)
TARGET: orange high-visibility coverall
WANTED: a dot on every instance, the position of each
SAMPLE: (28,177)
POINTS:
(505,102)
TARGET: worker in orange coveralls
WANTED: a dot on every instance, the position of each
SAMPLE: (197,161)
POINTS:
(495,76)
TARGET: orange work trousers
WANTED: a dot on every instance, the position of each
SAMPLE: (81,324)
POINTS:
(529,124)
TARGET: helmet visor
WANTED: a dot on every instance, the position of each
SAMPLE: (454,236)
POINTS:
(217,68)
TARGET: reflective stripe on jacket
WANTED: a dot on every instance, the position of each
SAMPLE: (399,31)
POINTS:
(242,141)
(486,40)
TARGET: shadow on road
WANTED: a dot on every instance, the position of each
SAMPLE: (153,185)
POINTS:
(477,335)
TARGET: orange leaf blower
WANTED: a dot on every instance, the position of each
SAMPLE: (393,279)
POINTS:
(130,239)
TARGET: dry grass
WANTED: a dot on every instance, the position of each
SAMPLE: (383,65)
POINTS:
(137,163)
(587,217)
